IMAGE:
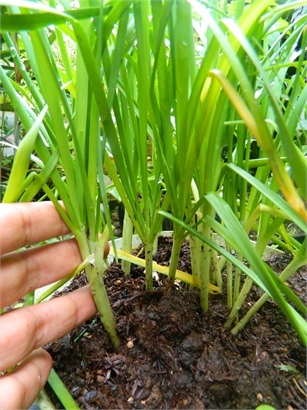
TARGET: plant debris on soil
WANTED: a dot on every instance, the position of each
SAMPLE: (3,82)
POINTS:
(174,357)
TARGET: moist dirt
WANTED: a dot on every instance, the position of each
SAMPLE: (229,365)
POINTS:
(174,357)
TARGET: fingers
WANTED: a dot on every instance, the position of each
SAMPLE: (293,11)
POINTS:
(22,272)
(27,223)
(26,329)
(20,388)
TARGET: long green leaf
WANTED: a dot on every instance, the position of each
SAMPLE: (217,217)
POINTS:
(61,392)
(45,17)
(272,196)
(41,178)
(296,159)
(22,161)
(243,244)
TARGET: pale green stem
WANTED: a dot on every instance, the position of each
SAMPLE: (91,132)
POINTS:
(229,280)
(299,261)
(236,287)
(155,245)
(222,262)
(194,252)
(94,273)
(99,292)
(245,289)
(127,242)
(216,268)
(195,242)
(239,302)
(205,263)
(177,242)
(148,268)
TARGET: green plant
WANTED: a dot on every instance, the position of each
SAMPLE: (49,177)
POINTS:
(70,135)
(170,108)
(142,94)
(238,59)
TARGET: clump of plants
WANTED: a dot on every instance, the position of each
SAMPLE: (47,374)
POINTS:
(168,98)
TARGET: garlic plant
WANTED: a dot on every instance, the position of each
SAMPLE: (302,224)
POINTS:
(167,96)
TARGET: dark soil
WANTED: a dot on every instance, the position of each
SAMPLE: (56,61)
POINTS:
(174,357)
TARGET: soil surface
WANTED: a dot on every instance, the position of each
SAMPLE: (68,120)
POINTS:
(174,357)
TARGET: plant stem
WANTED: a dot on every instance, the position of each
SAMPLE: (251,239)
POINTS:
(239,302)
(229,280)
(155,245)
(94,273)
(99,292)
(148,260)
(205,265)
(176,248)
(194,251)
(216,268)
(299,261)
(127,241)
(240,298)
(237,280)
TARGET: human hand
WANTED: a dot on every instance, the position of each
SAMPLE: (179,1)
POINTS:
(24,331)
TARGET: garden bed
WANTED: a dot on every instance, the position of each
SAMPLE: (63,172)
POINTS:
(172,356)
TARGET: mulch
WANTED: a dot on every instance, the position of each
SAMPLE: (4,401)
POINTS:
(174,357)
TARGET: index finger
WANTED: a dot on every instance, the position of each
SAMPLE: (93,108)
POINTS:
(27,223)
(31,327)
